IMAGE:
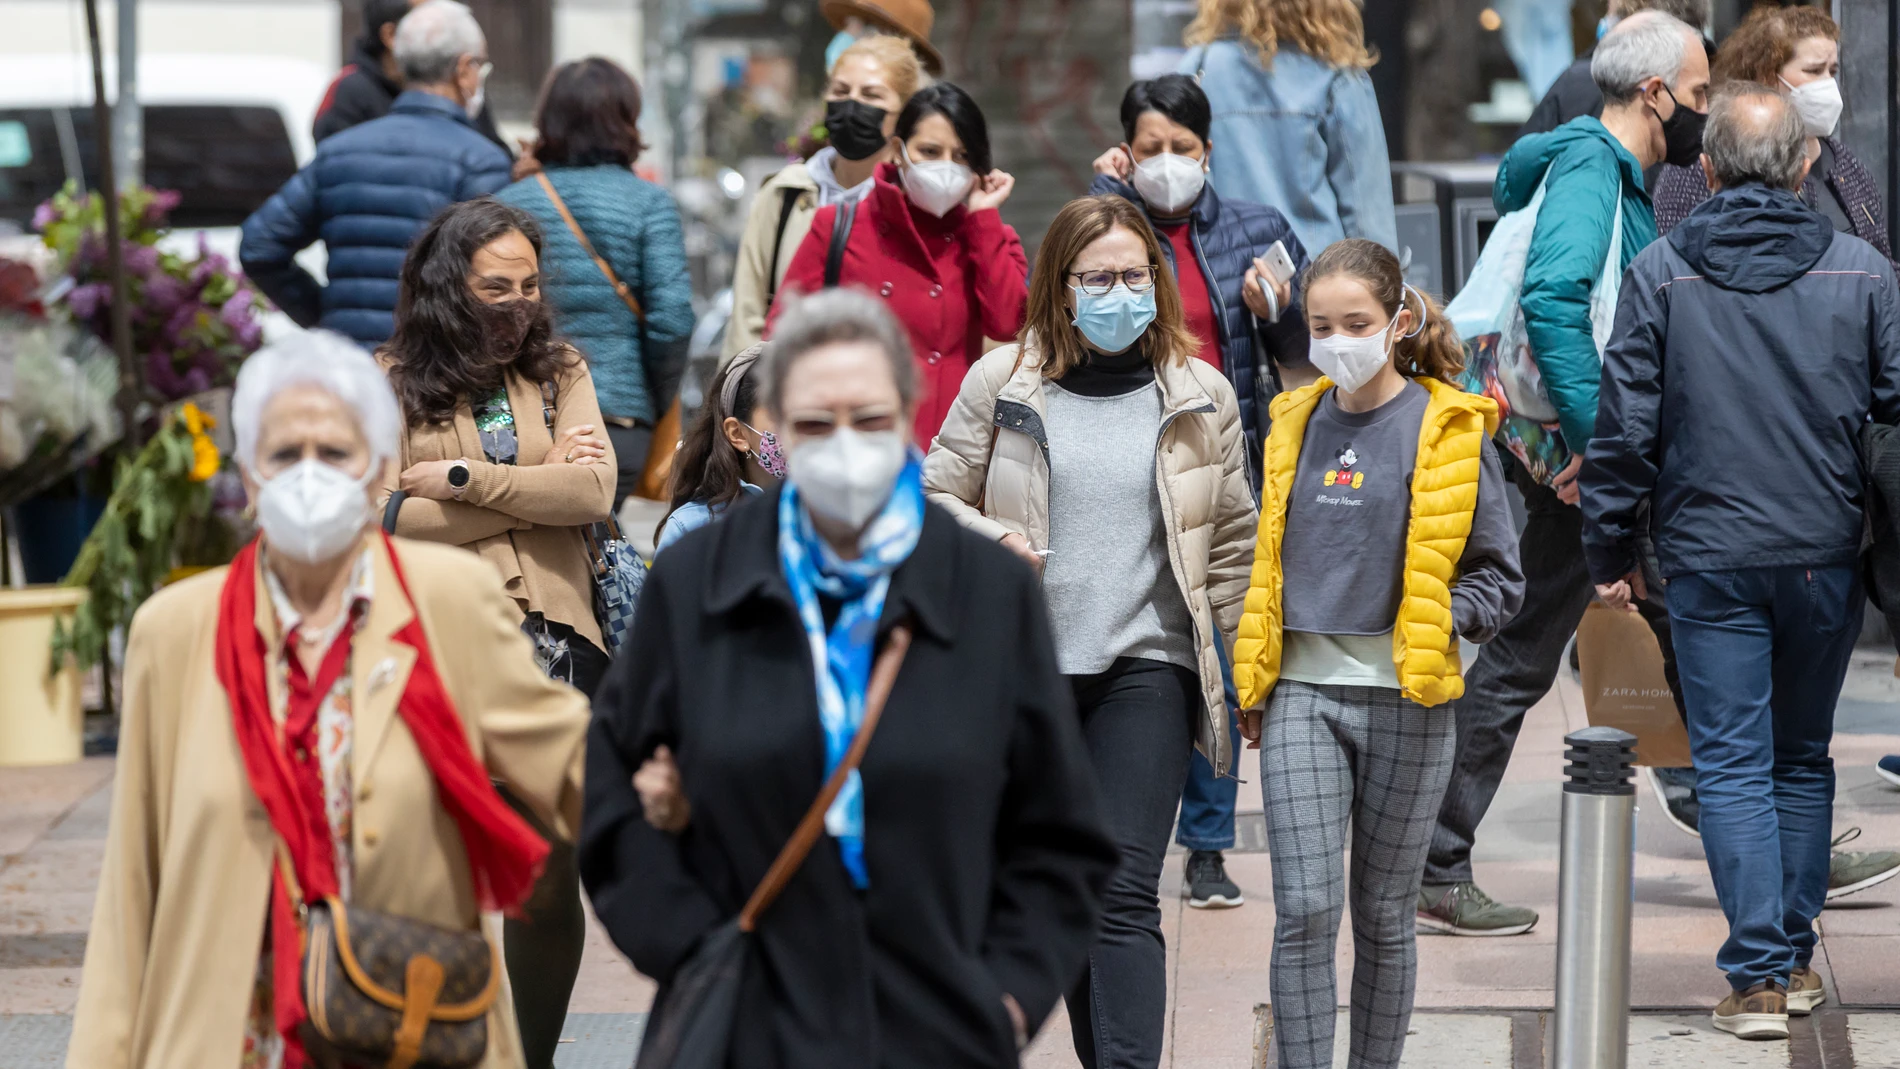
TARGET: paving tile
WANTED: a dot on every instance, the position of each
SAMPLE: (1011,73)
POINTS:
(53,990)
(49,865)
(35,1041)
(1876,1039)
(38,912)
(1653,1047)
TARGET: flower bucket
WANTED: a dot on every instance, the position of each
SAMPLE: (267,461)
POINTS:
(41,722)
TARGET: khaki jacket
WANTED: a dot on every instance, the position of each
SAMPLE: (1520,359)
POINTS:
(524,518)
(756,274)
(1200,471)
(183,895)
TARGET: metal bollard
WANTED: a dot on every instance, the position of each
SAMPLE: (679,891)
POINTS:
(1594,899)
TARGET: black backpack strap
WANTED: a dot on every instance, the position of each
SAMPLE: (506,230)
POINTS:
(840,234)
(788,203)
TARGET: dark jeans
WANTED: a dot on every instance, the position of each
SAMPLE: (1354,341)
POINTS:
(1138,720)
(630,455)
(1511,673)
(1763,653)
(1207,801)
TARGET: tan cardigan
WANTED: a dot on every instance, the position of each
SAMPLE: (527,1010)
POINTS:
(183,895)
(522,518)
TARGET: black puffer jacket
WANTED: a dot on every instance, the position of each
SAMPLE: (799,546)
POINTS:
(1750,347)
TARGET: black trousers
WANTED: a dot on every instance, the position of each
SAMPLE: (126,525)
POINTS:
(630,456)
(1138,721)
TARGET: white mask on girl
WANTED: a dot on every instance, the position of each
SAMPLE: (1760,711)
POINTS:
(1350,362)
(936,186)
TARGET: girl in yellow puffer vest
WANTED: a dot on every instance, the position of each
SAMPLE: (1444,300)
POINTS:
(1385,537)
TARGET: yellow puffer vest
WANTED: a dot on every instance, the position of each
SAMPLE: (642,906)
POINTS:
(1444,496)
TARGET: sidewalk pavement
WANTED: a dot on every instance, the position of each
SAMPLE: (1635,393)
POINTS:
(1482,1002)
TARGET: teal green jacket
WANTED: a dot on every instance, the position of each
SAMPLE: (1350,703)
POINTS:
(1591,175)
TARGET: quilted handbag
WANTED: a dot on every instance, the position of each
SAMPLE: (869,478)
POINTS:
(619,573)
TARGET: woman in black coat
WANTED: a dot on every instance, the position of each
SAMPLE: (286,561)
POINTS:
(941,931)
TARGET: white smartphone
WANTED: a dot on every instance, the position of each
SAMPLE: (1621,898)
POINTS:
(1276,263)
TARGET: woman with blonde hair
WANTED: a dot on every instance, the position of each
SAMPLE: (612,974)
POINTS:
(1295,115)
(1385,539)
(870,83)
(1101,451)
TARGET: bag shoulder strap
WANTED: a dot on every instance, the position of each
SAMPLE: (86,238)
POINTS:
(611,523)
(587,246)
(995,432)
(393,510)
(788,203)
(883,676)
(840,235)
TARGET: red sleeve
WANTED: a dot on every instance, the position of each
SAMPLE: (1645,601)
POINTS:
(1001,272)
(806,272)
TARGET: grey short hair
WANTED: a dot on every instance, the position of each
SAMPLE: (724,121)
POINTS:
(1693,12)
(433,38)
(827,318)
(331,363)
(1755,135)
(1648,44)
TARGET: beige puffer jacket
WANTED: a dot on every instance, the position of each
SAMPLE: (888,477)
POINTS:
(1200,470)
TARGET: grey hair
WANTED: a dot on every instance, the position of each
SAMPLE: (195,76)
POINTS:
(1693,12)
(433,38)
(1648,44)
(1755,135)
(827,318)
(331,363)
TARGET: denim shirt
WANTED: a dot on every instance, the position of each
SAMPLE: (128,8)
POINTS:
(691,517)
(1299,136)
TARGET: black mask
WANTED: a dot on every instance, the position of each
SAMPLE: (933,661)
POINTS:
(856,129)
(1682,133)
(505,326)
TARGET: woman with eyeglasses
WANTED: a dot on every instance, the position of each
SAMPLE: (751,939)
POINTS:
(929,241)
(1101,451)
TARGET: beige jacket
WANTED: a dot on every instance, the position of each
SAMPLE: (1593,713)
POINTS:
(1200,471)
(757,273)
(525,518)
(183,895)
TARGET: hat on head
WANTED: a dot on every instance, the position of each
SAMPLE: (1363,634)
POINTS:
(911,19)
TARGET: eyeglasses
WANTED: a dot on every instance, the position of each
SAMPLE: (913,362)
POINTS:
(1096,283)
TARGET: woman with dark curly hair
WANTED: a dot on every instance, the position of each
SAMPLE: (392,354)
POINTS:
(502,454)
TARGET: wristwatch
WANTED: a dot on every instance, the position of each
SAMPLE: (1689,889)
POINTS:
(458,477)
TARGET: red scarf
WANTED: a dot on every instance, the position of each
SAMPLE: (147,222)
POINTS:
(505,855)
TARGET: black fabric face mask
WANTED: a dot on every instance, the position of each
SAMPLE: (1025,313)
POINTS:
(1682,134)
(856,129)
(505,326)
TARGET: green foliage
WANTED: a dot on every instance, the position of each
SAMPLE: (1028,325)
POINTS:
(132,548)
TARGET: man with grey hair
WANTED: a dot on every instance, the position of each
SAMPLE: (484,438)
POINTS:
(1575,94)
(1751,347)
(1655,82)
(372,188)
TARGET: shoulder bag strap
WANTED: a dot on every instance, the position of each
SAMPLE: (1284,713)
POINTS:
(393,511)
(840,235)
(983,496)
(613,280)
(883,676)
(788,203)
(595,557)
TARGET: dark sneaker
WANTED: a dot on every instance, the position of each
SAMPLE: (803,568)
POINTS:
(1888,768)
(1849,871)
(1675,789)
(1805,991)
(1761,1012)
(1462,909)
(1207,885)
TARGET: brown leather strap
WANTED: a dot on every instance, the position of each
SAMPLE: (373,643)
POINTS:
(588,247)
(883,676)
(422,983)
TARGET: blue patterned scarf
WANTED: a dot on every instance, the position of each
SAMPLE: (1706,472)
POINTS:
(842,659)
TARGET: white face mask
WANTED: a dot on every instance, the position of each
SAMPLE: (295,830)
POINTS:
(1169,183)
(1819,104)
(1350,362)
(312,512)
(937,186)
(474,106)
(847,475)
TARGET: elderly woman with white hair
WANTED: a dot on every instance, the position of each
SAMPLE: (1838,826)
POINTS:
(310,735)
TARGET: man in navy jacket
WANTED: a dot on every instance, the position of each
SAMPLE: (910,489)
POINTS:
(1751,346)
(371,188)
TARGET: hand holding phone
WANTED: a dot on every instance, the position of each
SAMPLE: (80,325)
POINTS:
(1275,263)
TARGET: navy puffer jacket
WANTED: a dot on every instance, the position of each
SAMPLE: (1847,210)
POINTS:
(366,195)
(1229,234)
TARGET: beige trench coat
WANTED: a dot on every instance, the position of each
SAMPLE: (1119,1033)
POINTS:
(1200,471)
(756,273)
(183,895)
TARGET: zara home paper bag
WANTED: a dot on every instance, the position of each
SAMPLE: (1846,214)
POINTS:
(1624,686)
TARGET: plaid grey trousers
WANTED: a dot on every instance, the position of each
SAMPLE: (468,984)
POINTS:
(1367,758)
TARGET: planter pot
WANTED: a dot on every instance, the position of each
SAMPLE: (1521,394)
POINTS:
(41,722)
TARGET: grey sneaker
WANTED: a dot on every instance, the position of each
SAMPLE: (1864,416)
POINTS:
(1849,871)
(1207,885)
(1463,909)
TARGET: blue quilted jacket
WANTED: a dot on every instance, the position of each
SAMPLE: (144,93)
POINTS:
(635,227)
(366,195)
(1229,234)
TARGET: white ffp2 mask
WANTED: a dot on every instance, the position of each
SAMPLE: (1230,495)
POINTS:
(1170,183)
(311,512)
(1350,362)
(937,186)
(1818,103)
(847,475)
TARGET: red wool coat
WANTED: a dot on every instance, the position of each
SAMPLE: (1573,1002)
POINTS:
(952,281)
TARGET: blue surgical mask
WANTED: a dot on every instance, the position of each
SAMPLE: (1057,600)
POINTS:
(839,43)
(1604,24)
(1113,321)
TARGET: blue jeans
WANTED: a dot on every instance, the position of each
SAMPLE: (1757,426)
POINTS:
(1762,653)
(1207,802)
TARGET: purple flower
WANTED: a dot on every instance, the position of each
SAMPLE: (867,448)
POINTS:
(44,215)
(139,259)
(89,300)
(164,294)
(160,206)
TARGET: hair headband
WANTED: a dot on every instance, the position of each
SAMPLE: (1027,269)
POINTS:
(736,371)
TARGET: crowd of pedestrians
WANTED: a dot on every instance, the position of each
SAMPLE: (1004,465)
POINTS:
(979,575)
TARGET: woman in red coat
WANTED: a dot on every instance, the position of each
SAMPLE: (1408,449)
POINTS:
(930,241)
